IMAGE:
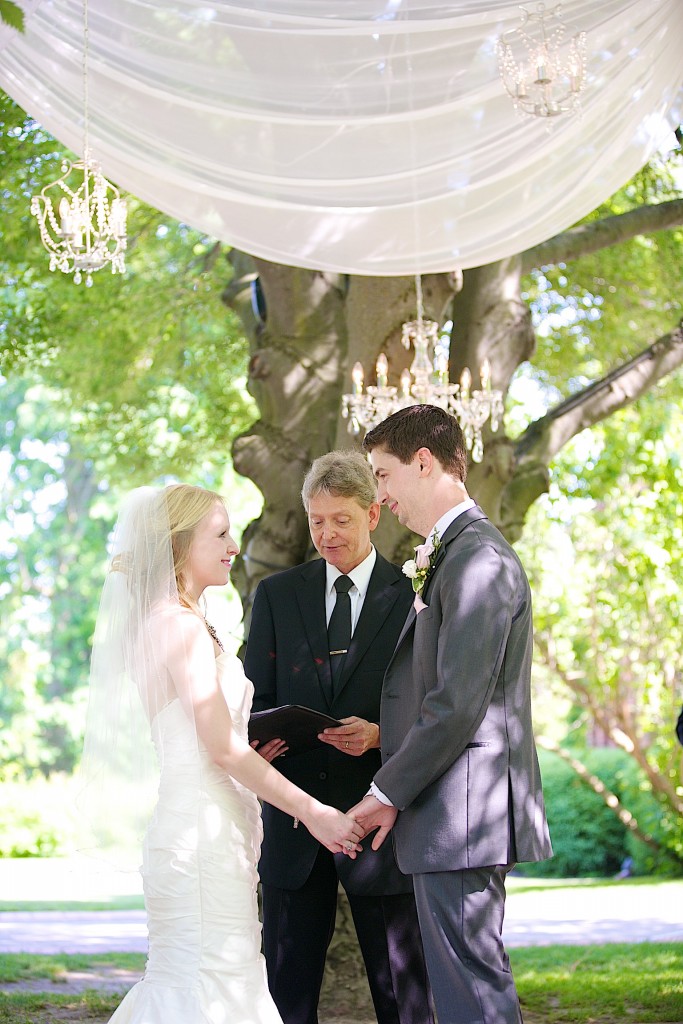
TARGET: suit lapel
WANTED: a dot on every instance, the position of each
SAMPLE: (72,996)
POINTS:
(380,598)
(310,595)
(407,626)
(460,523)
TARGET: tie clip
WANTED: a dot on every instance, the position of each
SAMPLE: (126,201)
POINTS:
(338,652)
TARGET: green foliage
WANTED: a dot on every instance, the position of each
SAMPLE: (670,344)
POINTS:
(602,309)
(51,570)
(608,626)
(588,839)
(152,364)
(37,818)
(135,380)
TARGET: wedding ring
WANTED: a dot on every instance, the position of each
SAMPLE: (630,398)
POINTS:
(347,744)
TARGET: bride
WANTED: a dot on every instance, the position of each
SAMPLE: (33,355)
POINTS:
(161,683)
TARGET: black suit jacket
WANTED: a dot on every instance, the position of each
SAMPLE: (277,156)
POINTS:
(287,659)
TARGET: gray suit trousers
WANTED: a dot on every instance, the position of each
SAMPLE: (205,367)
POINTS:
(461,921)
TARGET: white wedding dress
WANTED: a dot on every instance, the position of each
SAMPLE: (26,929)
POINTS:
(199,877)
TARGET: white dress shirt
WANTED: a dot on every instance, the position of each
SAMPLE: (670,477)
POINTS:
(360,577)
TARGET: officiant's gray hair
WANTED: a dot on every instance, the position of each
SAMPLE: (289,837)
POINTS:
(345,474)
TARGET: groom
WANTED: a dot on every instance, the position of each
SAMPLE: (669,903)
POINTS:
(460,776)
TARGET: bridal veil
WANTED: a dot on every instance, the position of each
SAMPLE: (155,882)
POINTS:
(129,681)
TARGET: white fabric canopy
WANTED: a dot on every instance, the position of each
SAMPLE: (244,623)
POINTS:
(364,136)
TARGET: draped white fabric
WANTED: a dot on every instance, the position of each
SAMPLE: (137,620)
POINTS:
(364,136)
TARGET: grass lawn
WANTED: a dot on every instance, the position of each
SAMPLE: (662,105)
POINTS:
(23,967)
(32,1008)
(607,984)
(110,903)
(611,984)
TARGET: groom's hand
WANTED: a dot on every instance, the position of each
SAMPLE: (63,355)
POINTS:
(371,813)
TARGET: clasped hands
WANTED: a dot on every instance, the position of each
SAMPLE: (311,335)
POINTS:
(368,814)
(353,737)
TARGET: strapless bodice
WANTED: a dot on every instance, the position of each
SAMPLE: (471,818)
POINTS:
(174,734)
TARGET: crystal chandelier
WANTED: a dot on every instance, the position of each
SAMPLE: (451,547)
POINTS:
(83,222)
(543,83)
(425,382)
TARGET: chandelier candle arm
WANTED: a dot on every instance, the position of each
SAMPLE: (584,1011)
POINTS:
(426,381)
(357,378)
(382,369)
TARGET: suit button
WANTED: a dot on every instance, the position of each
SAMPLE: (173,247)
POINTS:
(322,775)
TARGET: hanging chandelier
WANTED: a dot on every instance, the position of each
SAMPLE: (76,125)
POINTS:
(426,382)
(81,215)
(544,82)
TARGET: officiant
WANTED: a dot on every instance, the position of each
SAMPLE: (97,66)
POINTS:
(321,636)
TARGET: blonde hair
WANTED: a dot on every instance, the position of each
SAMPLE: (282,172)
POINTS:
(185,506)
(345,473)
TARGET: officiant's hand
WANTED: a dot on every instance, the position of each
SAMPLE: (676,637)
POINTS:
(354,737)
(270,750)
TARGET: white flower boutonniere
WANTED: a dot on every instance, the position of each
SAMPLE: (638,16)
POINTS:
(418,569)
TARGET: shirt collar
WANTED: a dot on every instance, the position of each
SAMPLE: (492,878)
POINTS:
(360,575)
(442,524)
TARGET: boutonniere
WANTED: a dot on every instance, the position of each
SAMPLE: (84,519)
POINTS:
(418,569)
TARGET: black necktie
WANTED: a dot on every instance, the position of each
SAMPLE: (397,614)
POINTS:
(339,628)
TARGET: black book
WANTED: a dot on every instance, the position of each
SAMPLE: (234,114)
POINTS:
(296,725)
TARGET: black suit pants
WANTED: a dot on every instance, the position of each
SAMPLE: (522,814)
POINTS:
(298,925)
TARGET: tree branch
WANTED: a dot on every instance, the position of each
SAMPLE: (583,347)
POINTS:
(545,437)
(601,234)
(612,724)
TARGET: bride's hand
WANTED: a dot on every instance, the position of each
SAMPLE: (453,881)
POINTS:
(270,750)
(335,830)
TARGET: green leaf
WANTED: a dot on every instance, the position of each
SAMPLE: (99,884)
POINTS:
(12,15)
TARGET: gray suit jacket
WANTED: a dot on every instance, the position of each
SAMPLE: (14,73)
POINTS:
(458,751)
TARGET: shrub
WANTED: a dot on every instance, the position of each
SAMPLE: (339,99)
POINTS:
(37,818)
(588,838)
